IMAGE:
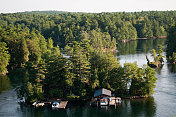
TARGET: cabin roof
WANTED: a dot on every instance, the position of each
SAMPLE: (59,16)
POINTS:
(102,91)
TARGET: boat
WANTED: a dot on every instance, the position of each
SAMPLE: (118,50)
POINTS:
(104,101)
(37,104)
(55,105)
(118,100)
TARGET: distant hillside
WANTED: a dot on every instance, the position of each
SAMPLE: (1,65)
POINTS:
(44,12)
(67,27)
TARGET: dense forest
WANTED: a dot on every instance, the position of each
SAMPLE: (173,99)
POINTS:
(70,55)
(171,45)
(65,27)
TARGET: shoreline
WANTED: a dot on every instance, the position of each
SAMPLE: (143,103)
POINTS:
(136,97)
(152,37)
(145,38)
(83,100)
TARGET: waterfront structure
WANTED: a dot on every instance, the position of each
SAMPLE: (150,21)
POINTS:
(103,97)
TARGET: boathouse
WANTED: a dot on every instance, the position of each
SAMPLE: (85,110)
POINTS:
(102,93)
(103,97)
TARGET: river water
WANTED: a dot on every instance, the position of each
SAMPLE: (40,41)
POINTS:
(161,104)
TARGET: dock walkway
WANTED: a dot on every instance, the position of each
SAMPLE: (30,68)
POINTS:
(63,104)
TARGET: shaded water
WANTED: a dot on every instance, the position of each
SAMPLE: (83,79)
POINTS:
(162,104)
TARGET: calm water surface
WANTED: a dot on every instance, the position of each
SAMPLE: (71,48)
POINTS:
(162,104)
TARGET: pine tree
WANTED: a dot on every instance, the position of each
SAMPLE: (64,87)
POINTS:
(81,65)
(24,53)
(4,57)
(50,43)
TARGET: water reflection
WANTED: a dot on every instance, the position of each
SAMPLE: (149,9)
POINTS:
(13,79)
(128,108)
(4,83)
(127,48)
(147,107)
(158,69)
(18,76)
(139,46)
(172,68)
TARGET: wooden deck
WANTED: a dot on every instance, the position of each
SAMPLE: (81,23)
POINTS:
(63,104)
(39,104)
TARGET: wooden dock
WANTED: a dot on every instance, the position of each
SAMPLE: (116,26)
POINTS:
(63,104)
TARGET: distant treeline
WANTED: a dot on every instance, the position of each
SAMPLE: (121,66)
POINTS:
(66,27)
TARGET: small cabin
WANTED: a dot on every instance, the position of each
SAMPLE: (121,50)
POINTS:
(102,93)
(103,97)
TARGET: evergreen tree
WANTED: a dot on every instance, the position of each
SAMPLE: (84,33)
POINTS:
(171,43)
(81,65)
(24,53)
(4,57)
(34,50)
(150,80)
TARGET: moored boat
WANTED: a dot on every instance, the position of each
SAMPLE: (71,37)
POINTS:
(55,105)
(104,101)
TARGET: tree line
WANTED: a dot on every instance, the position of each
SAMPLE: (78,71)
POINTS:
(65,27)
(171,45)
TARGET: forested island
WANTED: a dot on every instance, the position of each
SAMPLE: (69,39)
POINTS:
(36,41)
(157,56)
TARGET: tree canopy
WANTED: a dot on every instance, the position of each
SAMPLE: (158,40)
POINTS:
(4,57)
(65,27)
(32,41)
(171,45)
